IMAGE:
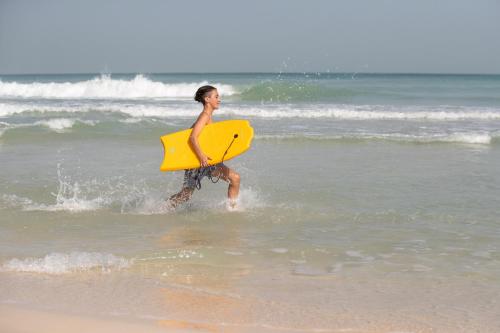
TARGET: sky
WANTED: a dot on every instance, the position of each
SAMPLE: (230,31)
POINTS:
(163,36)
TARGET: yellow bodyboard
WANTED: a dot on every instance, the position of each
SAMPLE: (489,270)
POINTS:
(221,140)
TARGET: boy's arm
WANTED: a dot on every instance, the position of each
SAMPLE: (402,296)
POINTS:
(193,138)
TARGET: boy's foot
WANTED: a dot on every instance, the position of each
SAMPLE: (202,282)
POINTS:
(169,205)
(232,204)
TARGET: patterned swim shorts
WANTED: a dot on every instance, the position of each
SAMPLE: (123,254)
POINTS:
(193,177)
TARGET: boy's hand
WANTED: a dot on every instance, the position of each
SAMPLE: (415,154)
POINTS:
(204,161)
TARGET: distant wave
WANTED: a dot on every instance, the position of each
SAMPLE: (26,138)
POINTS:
(58,125)
(282,91)
(62,124)
(105,87)
(62,263)
(259,88)
(340,111)
(348,112)
(76,203)
(458,137)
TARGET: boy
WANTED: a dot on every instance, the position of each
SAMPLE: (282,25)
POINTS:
(209,97)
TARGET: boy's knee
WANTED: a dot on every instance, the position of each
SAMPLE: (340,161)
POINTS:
(235,178)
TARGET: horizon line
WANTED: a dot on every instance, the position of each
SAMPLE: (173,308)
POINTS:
(248,72)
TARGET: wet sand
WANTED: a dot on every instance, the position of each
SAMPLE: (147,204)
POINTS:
(278,304)
(15,319)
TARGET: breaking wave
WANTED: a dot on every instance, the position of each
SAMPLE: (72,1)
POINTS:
(106,87)
(458,137)
(340,111)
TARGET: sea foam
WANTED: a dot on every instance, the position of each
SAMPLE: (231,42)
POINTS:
(105,86)
(57,124)
(336,111)
(63,263)
(458,137)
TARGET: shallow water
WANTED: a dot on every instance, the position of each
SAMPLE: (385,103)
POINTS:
(354,192)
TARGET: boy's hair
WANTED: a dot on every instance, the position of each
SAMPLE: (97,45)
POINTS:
(202,92)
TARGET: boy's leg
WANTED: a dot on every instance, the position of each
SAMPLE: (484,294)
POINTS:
(188,186)
(230,176)
(183,196)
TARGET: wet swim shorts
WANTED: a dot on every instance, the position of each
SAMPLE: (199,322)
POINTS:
(193,177)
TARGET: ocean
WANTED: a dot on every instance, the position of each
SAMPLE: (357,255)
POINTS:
(369,202)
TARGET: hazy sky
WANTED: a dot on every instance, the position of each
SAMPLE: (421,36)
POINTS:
(57,36)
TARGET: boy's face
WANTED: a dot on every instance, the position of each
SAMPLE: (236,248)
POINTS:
(213,99)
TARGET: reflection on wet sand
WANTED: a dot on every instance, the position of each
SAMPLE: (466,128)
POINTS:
(203,293)
(213,297)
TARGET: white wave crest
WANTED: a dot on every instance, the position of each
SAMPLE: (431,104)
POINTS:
(107,87)
(63,263)
(61,124)
(57,125)
(368,112)
(474,138)
(467,138)
(340,112)
(459,137)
